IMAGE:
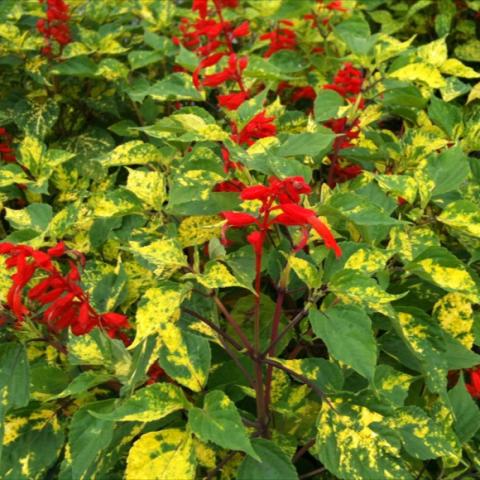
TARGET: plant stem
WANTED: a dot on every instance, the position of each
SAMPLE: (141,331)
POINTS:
(259,392)
(275,326)
(233,323)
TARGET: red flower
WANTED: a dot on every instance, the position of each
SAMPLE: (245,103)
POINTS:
(55,27)
(242,30)
(238,219)
(336,5)
(62,300)
(347,82)
(201,6)
(307,93)
(233,100)
(287,193)
(473,386)
(280,39)
(6,151)
(296,215)
(154,373)
(260,126)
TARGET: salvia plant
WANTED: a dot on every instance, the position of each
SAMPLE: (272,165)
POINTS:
(240,239)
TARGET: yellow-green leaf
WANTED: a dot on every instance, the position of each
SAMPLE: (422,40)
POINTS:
(462,215)
(455,67)
(164,455)
(367,260)
(455,314)
(198,229)
(420,72)
(148,186)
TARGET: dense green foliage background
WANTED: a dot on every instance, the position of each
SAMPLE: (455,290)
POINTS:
(118,154)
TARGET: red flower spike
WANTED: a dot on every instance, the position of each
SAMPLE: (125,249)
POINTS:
(233,100)
(307,216)
(229,186)
(238,219)
(255,239)
(260,126)
(242,30)
(200,6)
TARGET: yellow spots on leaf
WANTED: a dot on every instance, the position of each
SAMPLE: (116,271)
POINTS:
(305,271)
(159,307)
(455,314)
(204,454)
(134,152)
(450,278)
(164,255)
(197,230)
(148,186)
(24,462)
(13,426)
(138,279)
(410,243)
(420,72)
(263,145)
(164,455)
(217,275)
(367,260)
(455,67)
(5,280)
(463,216)
(86,350)
(349,431)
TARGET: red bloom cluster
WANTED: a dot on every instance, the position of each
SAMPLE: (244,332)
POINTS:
(55,27)
(335,5)
(62,300)
(347,82)
(260,126)
(6,151)
(473,386)
(283,196)
(282,38)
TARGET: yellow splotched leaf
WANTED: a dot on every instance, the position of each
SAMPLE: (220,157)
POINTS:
(455,67)
(400,185)
(411,242)
(474,93)
(367,260)
(217,275)
(455,314)
(164,455)
(158,306)
(207,131)
(420,72)
(462,215)
(134,152)
(147,186)
(197,230)
(306,272)
(163,256)
(349,446)
(434,53)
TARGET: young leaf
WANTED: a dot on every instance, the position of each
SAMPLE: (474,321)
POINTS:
(219,422)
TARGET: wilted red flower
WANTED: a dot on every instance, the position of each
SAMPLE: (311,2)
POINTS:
(6,151)
(233,185)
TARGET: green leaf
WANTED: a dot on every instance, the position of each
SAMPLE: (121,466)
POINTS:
(81,66)
(219,422)
(446,115)
(318,143)
(87,440)
(326,105)
(142,58)
(164,455)
(273,463)
(14,376)
(465,410)
(134,152)
(355,32)
(392,385)
(347,332)
(36,216)
(176,86)
(147,404)
(82,383)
